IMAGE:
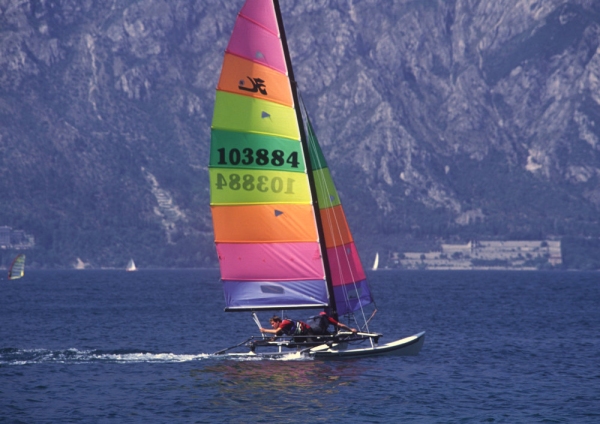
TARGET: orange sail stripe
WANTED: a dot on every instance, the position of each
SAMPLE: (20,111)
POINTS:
(264,223)
(335,227)
(242,76)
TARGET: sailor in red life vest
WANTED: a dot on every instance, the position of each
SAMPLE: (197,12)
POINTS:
(289,328)
(324,321)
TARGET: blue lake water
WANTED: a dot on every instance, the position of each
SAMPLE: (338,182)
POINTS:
(110,346)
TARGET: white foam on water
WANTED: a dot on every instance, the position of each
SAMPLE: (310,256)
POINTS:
(38,356)
(151,357)
(76,356)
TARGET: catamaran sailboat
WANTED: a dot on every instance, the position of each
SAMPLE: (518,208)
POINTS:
(281,234)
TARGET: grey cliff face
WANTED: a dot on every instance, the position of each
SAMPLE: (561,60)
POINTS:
(439,118)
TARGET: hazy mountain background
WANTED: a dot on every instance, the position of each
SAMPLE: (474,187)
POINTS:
(442,120)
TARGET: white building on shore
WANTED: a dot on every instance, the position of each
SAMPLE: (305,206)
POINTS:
(15,239)
(512,254)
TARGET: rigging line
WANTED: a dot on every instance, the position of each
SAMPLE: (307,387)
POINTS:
(325,189)
(328,210)
(332,217)
(336,222)
(257,321)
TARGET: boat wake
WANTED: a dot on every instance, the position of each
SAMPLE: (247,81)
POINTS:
(12,356)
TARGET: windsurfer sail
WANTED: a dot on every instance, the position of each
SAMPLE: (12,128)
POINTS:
(17,267)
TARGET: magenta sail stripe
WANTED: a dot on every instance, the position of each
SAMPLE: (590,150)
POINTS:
(270,261)
(261,12)
(255,43)
(345,265)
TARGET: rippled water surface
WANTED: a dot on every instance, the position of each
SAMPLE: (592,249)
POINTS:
(98,346)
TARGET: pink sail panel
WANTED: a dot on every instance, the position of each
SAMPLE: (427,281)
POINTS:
(262,13)
(270,261)
(255,43)
(345,265)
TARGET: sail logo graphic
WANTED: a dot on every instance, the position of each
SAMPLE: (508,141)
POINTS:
(258,86)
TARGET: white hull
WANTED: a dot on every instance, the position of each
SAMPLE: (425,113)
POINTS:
(409,346)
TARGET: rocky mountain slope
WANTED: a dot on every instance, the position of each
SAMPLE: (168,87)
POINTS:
(453,119)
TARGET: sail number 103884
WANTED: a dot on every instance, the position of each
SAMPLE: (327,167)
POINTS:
(261,183)
(260,157)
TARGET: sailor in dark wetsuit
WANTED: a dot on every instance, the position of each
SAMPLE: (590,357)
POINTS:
(297,329)
(320,324)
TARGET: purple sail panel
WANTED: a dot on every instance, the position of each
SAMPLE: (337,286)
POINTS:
(352,297)
(270,261)
(251,295)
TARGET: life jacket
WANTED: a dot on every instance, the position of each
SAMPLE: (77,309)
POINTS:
(319,323)
(296,328)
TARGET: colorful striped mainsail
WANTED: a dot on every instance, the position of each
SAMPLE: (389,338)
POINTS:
(264,224)
(268,211)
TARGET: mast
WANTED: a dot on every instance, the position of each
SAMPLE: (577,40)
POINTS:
(309,170)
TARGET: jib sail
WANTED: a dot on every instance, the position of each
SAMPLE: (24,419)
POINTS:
(350,287)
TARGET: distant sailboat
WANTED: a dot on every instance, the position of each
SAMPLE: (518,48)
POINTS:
(131,266)
(17,268)
(376,263)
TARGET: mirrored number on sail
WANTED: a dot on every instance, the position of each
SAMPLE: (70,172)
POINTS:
(229,186)
(261,183)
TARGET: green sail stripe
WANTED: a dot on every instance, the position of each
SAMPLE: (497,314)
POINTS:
(317,160)
(249,186)
(247,114)
(327,194)
(229,149)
